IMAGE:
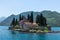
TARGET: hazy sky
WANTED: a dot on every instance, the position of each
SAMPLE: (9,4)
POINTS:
(8,7)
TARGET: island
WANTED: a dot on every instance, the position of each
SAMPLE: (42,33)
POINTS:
(28,24)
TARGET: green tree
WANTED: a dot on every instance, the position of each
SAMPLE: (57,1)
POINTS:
(16,22)
(20,17)
(31,17)
(13,22)
(42,21)
(37,19)
(45,24)
(28,17)
(23,17)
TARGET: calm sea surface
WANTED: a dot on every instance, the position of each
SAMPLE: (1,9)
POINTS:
(6,34)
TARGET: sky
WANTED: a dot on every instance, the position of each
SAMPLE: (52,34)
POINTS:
(9,7)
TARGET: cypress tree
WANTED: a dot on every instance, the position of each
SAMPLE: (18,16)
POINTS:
(23,17)
(40,20)
(31,17)
(13,22)
(45,24)
(20,17)
(16,22)
(28,17)
(37,18)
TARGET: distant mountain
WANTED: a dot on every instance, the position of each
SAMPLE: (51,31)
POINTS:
(7,21)
(1,19)
(53,17)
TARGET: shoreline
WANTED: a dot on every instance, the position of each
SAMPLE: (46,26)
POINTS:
(27,31)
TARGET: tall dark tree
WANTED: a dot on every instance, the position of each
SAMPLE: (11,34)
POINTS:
(45,24)
(16,22)
(31,17)
(20,17)
(37,19)
(42,21)
(13,22)
(23,17)
(28,17)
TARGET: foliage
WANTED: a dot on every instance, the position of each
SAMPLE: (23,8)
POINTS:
(16,22)
(37,18)
(46,29)
(41,20)
(28,17)
(13,22)
(16,27)
(20,17)
(32,17)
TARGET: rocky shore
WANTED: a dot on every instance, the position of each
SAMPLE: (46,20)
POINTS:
(35,31)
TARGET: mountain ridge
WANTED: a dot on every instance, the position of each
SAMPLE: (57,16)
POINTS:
(2,18)
(51,16)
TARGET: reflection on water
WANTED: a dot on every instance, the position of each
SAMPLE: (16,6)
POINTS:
(6,34)
(13,32)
